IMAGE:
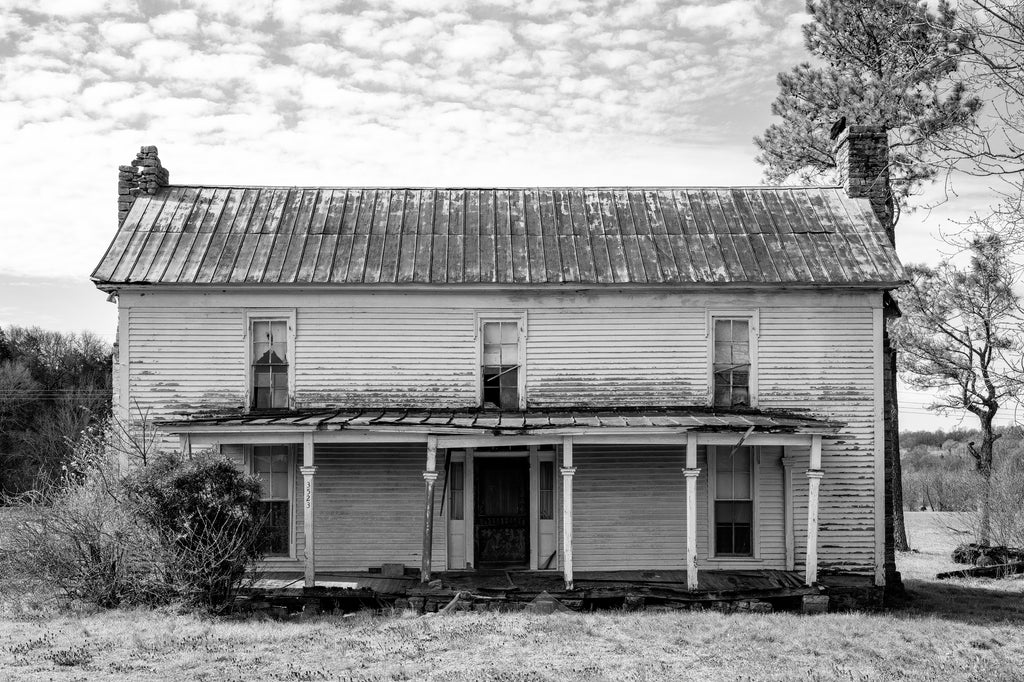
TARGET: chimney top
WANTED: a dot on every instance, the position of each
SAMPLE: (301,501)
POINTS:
(862,159)
(144,175)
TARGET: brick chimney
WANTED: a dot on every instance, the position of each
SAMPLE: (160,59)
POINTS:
(862,157)
(144,175)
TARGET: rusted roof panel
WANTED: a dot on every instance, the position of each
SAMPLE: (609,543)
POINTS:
(591,236)
(440,421)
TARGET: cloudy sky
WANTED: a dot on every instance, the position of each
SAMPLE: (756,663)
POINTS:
(372,92)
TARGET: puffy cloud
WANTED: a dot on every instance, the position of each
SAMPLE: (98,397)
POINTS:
(737,18)
(39,84)
(124,34)
(470,42)
(182,23)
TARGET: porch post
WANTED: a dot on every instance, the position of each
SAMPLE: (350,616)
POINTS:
(814,476)
(430,478)
(787,510)
(308,471)
(691,472)
(185,442)
(568,471)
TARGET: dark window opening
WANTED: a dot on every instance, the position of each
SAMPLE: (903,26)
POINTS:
(731,363)
(270,464)
(734,502)
(734,528)
(500,367)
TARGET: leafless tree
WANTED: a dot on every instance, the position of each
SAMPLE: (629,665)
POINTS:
(960,335)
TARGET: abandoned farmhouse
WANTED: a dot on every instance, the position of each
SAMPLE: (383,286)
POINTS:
(683,382)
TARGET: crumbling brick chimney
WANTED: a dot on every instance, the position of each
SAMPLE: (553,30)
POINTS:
(143,176)
(862,156)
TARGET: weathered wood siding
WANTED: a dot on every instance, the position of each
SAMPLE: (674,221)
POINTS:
(630,509)
(369,507)
(186,352)
(824,361)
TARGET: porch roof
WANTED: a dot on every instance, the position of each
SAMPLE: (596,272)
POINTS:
(530,422)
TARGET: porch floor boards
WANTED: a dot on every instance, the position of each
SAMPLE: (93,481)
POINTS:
(519,585)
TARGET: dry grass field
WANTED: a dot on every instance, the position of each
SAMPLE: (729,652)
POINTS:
(957,630)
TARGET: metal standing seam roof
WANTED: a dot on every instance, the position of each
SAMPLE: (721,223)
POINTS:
(592,236)
(440,421)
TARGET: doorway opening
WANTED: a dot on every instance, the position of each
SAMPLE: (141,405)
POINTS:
(501,510)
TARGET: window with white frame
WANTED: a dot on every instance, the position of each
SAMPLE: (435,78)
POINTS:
(269,364)
(272,465)
(501,374)
(730,369)
(734,502)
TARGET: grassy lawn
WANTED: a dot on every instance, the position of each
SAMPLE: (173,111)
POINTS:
(966,629)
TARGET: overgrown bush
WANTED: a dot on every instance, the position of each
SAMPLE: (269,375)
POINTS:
(80,535)
(175,529)
(207,515)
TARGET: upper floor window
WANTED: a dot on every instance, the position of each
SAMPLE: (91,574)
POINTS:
(270,358)
(731,353)
(501,375)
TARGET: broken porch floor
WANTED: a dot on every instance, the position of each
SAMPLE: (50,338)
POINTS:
(514,588)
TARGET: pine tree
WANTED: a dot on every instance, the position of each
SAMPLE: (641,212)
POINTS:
(877,62)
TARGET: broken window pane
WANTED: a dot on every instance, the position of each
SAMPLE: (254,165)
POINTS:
(500,366)
(270,364)
(731,363)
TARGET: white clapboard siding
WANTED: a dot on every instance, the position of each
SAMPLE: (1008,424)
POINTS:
(823,360)
(602,355)
(183,360)
(370,504)
(385,357)
(629,508)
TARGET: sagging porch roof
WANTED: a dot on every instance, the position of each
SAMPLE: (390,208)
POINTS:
(530,422)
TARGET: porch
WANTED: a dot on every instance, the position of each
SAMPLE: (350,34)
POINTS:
(376,488)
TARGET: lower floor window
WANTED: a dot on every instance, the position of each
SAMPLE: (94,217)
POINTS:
(734,523)
(734,502)
(272,466)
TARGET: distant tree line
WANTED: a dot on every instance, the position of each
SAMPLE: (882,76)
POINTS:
(53,386)
(940,473)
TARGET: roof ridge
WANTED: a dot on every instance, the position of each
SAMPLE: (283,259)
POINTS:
(499,187)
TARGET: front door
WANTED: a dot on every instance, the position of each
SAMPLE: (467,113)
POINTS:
(501,493)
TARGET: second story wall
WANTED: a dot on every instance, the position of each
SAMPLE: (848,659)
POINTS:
(186,352)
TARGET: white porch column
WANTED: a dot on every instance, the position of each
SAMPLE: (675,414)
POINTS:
(568,471)
(691,472)
(787,511)
(308,471)
(814,476)
(429,478)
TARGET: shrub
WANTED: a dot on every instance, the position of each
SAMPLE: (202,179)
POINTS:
(172,529)
(207,515)
(81,536)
